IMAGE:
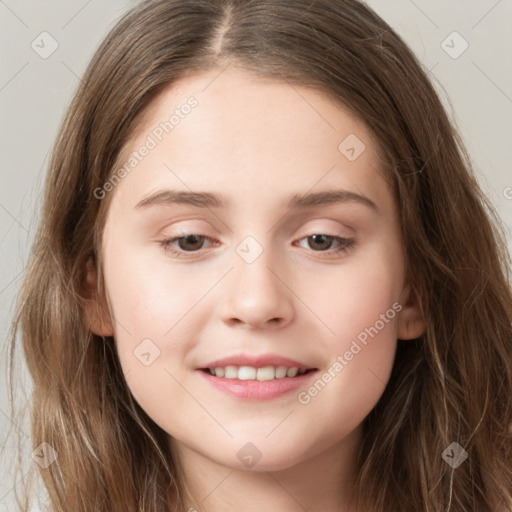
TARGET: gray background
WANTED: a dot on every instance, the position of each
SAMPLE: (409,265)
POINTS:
(475,86)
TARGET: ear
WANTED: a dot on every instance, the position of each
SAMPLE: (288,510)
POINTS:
(410,323)
(96,312)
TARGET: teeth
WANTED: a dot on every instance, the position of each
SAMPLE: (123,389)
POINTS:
(291,372)
(231,372)
(267,373)
(261,374)
(246,373)
(281,372)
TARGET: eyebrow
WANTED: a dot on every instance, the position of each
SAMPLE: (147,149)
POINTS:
(211,200)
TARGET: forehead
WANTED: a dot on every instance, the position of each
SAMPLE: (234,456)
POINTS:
(248,134)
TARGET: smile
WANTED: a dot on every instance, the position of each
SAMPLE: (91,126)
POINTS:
(256,384)
(265,373)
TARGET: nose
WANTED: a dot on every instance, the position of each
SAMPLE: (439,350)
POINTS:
(257,294)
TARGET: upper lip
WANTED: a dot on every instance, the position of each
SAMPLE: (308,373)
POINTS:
(256,361)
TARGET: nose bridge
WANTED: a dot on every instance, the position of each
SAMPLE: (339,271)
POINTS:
(255,293)
(255,259)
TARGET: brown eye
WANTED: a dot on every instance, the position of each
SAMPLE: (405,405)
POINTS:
(181,245)
(190,242)
(323,243)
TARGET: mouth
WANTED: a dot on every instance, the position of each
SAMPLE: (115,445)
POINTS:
(256,376)
(265,373)
(254,383)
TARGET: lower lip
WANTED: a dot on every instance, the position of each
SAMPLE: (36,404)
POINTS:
(256,389)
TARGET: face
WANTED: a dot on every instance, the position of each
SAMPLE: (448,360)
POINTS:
(258,236)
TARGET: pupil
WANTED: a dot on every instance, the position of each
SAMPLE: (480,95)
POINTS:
(318,239)
(191,239)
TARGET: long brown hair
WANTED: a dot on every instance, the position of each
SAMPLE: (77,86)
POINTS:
(454,384)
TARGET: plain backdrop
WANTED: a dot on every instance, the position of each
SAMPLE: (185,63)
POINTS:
(471,70)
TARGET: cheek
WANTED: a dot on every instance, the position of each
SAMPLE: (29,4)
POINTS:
(360,307)
(159,328)
(150,296)
(155,312)
(353,296)
(361,356)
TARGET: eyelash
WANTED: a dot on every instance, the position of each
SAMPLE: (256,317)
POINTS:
(346,244)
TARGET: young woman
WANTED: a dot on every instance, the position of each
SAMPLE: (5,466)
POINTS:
(265,277)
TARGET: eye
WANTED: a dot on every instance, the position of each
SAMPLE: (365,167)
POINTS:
(187,243)
(193,243)
(323,242)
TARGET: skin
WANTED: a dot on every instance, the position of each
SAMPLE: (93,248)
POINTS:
(257,142)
